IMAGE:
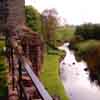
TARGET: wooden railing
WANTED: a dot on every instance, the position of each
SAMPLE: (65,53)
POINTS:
(23,63)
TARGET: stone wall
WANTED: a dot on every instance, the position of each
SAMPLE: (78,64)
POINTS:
(11,13)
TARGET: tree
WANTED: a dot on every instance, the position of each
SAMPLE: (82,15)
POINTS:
(33,19)
(88,31)
(49,25)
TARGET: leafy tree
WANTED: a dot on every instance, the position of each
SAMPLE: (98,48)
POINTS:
(33,18)
(49,25)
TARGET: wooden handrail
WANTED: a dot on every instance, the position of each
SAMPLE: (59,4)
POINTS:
(38,85)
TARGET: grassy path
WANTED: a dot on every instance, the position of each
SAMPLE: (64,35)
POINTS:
(50,76)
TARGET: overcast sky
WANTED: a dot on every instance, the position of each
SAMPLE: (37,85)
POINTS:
(74,11)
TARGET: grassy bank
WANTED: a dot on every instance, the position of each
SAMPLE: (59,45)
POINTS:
(86,45)
(50,76)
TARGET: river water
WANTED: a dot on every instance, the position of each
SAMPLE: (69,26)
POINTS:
(75,78)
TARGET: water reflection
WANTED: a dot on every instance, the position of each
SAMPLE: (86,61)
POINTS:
(75,77)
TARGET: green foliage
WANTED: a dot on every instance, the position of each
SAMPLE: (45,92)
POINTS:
(50,77)
(88,31)
(33,18)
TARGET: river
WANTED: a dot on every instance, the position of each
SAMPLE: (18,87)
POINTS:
(75,77)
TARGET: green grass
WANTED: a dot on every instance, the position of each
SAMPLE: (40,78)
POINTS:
(50,77)
(63,33)
(2,43)
(3,71)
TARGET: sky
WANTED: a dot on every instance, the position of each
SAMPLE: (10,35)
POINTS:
(71,11)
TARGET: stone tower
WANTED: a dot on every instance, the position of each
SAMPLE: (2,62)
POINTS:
(3,14)
(11,13)
(16,13)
